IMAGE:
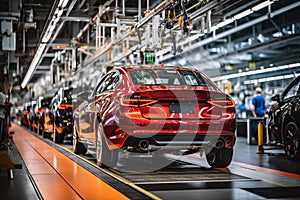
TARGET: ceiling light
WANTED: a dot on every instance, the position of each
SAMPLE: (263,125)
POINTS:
(262,5)
(33,64)
(260,71)
(243,14)
(45,39)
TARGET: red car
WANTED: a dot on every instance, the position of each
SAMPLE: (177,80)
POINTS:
(155,109)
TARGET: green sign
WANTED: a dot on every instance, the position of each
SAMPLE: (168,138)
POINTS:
(12,66)
(149,57)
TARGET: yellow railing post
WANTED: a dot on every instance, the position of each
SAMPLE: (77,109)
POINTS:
(260,137)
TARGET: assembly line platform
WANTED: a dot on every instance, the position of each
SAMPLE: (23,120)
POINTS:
(51,171)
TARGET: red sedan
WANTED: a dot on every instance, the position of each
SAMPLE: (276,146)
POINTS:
(155,109)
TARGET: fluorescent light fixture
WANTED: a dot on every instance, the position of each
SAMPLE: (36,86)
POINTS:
(56,20)
(274,78)
(262,5)
(65,2)
(224,23)
(243,14)
(248,73)
(45,39)
(33,64)
(60,12)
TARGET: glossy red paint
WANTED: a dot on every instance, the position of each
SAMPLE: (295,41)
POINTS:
(180,107)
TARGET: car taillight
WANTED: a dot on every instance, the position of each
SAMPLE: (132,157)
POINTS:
(222,103)
(209,113)
(64,106)
(40,110)
(137,101)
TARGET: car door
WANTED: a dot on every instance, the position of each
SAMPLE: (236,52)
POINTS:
(293,107)
(289,105)
(49,114)
(104,100)
(87,114)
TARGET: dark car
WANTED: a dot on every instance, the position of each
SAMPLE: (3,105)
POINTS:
(25,121)
(43,103)
(155,109)
(31,115)
(23,115)
(58,118)
(284,120)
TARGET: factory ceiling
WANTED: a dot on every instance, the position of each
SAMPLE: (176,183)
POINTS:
(227,36)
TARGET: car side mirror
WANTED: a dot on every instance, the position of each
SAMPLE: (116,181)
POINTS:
(276,98)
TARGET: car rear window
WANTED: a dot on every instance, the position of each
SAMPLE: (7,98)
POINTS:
(167,77)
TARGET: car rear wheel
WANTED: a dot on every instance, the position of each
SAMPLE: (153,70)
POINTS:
(78,147)
(45,134)
(57,138)
(105,157)
(39,129)
(219,158)
(292,141)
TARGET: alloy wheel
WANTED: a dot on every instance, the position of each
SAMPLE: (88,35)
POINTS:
(291,141)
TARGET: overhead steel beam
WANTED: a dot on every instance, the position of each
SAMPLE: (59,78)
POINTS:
(233,30)
(44,67)
(76,19)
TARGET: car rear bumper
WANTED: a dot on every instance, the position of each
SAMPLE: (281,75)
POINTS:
(146,142)
(127,133)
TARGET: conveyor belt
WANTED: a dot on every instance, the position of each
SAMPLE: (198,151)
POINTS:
(186,175)
(39,148)
(181,177)
(125,189)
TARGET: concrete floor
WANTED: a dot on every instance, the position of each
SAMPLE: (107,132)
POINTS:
(250,176)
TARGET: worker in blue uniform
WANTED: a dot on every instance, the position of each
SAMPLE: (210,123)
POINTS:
(258,108)
(258,104)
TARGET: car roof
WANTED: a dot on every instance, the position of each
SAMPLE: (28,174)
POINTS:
(157,67)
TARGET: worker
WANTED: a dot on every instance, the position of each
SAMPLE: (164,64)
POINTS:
(258,110)
(258,104)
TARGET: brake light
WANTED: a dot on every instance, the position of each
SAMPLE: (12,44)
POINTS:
(137,101)
(40,110)
(64,106)
(208,113)
(222,103)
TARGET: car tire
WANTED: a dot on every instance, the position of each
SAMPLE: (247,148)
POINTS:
(291,138)
(38,129)
(45,134)
(219,158)
(57,138)
(104,156)
(78,147)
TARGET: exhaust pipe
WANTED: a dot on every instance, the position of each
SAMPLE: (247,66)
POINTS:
(143,145)
(220,144)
